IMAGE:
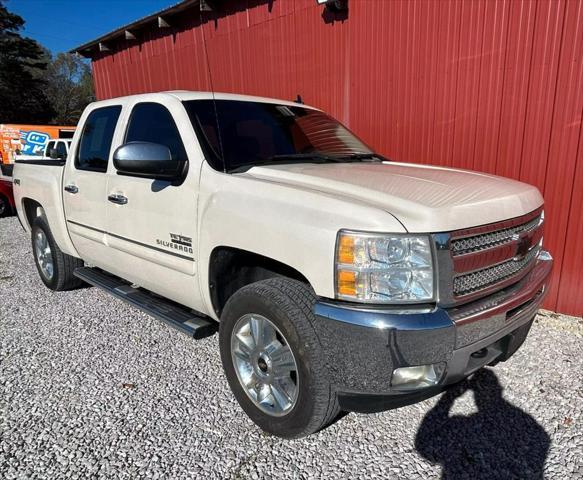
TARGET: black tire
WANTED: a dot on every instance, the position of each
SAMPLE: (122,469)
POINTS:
(5,208)
(288,304)
(63,265)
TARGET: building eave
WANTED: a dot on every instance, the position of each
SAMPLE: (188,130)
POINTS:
(160,19)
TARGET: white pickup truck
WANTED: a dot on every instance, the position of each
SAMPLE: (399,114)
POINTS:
(339,280)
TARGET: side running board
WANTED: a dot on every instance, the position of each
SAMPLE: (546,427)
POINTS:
(173,314)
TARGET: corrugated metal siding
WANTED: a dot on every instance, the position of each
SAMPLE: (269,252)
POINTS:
(495,86)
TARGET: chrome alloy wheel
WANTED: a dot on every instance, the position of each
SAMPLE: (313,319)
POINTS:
(265,364)
(44,255)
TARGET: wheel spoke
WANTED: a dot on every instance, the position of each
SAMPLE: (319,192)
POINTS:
(245,341)
(263,393)
(257,324)
(243,353)
(283,362)
(282,399)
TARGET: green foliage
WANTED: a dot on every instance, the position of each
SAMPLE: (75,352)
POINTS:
(34,88)
(22,85)
(70,87)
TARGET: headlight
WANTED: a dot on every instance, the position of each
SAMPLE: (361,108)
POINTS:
(384,268)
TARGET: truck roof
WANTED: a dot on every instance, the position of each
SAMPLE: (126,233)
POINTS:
(185,95)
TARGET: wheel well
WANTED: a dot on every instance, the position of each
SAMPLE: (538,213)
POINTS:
(32,209)
(231,269)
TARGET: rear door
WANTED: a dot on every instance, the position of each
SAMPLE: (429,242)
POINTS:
(85,183)
(152,224)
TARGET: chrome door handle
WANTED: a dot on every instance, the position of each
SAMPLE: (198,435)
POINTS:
(71,188)
(117,198)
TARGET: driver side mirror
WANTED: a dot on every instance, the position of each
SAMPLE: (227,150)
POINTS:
(149,160)
(53,154)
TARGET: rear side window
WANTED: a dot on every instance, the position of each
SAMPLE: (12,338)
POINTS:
(95,143)
(152,122)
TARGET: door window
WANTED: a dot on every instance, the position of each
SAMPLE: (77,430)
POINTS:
(152,122)
(95,142)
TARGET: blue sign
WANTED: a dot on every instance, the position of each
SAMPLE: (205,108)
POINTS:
(34,142)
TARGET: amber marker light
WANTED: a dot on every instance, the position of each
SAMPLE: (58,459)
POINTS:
(345,251)
(347,283)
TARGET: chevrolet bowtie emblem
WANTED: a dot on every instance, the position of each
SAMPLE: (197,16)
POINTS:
(522,247)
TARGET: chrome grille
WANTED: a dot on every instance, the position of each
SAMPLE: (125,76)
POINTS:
(484,241)
(478,280)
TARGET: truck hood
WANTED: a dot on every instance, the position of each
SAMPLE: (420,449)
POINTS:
(423,198)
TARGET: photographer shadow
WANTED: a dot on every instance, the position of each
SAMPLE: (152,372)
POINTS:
(499,440)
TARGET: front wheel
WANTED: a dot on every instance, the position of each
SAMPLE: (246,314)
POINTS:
(273,359)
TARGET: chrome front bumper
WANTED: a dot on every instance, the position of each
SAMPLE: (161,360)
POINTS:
(364,345)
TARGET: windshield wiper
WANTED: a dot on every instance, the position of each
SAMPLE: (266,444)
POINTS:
(367,156)
(313,157)
(374,157)
(305,156)
(288,158)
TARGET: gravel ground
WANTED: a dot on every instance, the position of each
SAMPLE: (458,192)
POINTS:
(90,387)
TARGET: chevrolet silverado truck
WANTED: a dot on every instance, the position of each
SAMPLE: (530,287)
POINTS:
(338,280)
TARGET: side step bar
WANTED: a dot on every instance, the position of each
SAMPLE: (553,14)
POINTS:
(173,314)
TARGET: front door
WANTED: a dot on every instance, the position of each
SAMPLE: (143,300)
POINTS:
(152,224)
(85,184)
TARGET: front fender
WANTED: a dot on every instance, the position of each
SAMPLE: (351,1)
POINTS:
(290,224)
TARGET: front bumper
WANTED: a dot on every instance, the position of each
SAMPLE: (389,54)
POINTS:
(364,345)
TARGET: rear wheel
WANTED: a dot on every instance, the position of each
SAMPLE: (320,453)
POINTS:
(273,359)
(54,267)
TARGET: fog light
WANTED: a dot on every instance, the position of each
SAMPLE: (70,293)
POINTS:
(420,376)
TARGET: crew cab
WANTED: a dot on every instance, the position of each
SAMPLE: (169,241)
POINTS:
(339,280)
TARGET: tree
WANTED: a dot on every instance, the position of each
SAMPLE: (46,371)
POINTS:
(22,65)
(70,87)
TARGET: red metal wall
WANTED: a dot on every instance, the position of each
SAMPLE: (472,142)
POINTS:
(495,86)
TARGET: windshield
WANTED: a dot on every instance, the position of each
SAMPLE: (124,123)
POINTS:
(255,133)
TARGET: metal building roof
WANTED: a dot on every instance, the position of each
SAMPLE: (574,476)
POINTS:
(157,19)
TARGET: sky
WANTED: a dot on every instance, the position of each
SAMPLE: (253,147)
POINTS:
(61,25)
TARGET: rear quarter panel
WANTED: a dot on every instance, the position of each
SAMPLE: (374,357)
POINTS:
(43,184)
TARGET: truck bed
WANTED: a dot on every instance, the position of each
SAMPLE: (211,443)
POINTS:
(39,182)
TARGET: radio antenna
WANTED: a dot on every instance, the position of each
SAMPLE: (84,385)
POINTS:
(210,75)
